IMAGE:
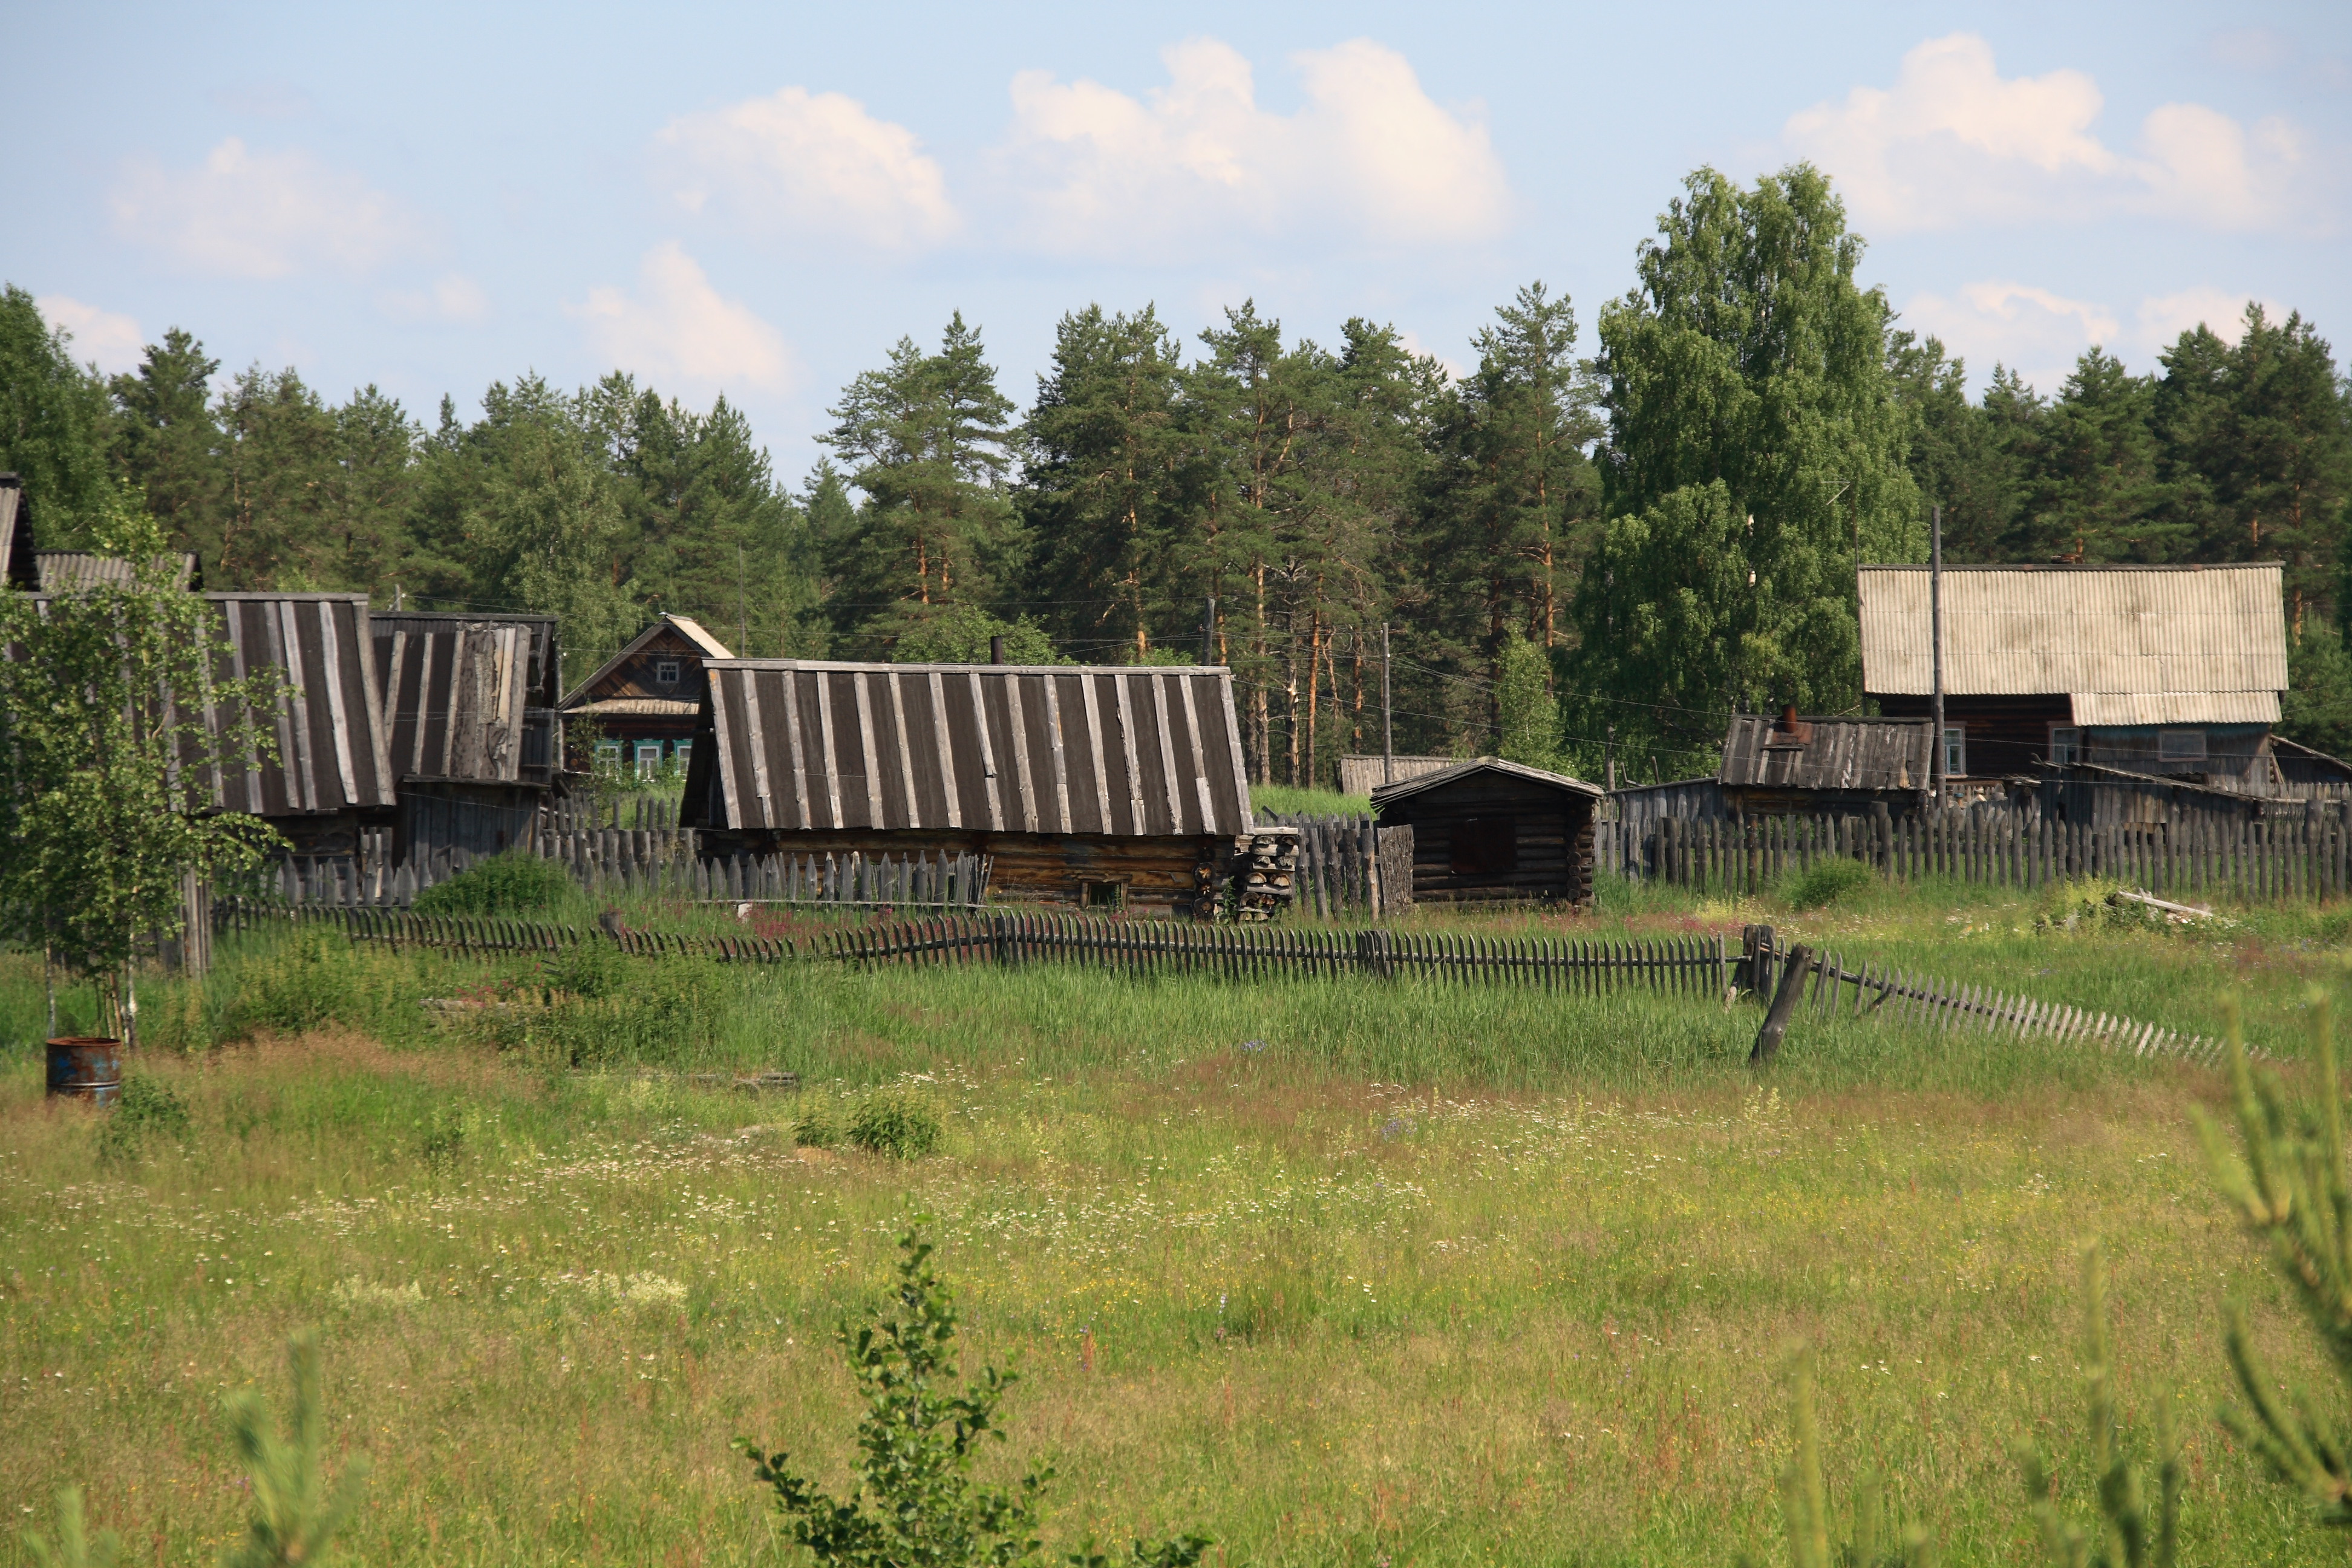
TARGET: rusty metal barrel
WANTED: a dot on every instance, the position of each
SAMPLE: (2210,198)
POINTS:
(86,1067)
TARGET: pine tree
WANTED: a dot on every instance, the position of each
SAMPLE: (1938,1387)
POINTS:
(2095,494)
(281,448)
(168,443)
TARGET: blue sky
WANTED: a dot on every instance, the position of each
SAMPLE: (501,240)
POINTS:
(761,200)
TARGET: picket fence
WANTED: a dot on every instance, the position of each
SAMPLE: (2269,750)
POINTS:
(1943,1007)
(1338,864)
(1700,966)
(488,934)
(610,860)
(2302,857)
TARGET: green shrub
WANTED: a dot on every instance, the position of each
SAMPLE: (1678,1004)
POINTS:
(148,1105)
(592,969)
(517,882)
(1828,880)
(816,1126)
(638,1011)
(893,1124)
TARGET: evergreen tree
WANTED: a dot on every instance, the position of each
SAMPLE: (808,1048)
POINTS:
(371,494)
(929,442)
(280,458)
(2095,494)
(52,425)
(167,442)
(1105,485)
(1962,458)
(1758,448)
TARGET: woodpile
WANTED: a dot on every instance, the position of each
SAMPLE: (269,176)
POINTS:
(1266,871)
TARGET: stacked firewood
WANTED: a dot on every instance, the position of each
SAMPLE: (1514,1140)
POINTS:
(1266,872)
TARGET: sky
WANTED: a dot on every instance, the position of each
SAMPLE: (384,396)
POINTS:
(761,200)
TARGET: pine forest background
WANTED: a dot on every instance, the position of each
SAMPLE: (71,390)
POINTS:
(1572,550)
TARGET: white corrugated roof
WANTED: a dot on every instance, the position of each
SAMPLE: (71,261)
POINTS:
(2039,631)
(2139,708)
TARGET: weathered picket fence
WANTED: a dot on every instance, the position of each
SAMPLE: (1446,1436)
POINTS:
(1338,864)
(491,935)
(634,860)
(1699,966)
(1944,1005)
(2301,856)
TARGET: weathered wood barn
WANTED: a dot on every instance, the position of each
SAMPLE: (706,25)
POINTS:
(1792,765)
(332,778)
(17,566)
(1097,785)
(1487,830)
(471,726)
(644,700)
(2166,672)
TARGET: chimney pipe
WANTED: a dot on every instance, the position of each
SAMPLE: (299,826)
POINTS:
(996,649)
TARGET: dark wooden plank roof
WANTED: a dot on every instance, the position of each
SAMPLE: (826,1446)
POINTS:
(1827,755)
(669,634)
(456,689)
(1404,788)
(1124,751)
(330,719)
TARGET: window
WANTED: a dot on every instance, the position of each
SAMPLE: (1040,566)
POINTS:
(2065,744)
(1103,895)
(648,758)
(1956,750)
(682,750)
(2180,745)
(608,755)
(665,672)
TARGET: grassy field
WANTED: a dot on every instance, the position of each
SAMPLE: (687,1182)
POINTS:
(1334,1271)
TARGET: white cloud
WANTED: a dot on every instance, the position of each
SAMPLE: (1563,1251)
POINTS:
(817,165)
(2039,334)
(453,296)
(244,214)
(679,328)
(1197,165)
(1953,142)
(109,339)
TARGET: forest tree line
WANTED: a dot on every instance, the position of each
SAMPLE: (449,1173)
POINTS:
(1579,560)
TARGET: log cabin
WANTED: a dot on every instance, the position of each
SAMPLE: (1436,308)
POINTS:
(1110,788)
(1489,830)
(643,702)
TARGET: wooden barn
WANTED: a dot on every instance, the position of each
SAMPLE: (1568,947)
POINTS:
(2166,672)
(17,566)
(1107,786)
(331,779)
(471,726)
(1491,831)
(1796,766)
(646,700)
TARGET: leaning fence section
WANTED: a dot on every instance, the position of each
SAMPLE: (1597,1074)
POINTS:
(1946,1006)
(1697,966)
(2301,856)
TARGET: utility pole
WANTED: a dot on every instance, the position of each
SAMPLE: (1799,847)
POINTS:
(1209,630)
(743,614)
(1939,772)
(1609,749)
(395,598)
(1388,744)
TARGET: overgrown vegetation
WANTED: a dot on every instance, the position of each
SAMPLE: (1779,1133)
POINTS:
(516,882)
(896,1124)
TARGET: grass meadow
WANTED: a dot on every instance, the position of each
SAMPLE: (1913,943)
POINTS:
(1338,1271)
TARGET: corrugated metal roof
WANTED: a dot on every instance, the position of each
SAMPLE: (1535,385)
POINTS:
(330,719)
(703,642)
(1459,770)
(1142,751)
(62,571)
(2127,707)
(17,564)
(2028,630)
(456,690)
(1838,754)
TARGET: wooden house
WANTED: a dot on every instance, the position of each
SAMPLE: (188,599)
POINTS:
(332,778)
(471,726)
(1106,786)
(17,565)
(644,700)
(2163,671)
(1491,831)
(1841,767)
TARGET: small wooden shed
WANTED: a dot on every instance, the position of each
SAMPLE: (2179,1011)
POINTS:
(1492,831)
(1838,767)
(470,726)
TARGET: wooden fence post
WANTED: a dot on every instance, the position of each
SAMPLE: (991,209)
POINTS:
(1784,1003)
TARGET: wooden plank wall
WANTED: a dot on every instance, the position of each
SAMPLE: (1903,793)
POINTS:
(2307,855)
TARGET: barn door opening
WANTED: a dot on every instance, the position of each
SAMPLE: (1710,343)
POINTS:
(1485,844)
